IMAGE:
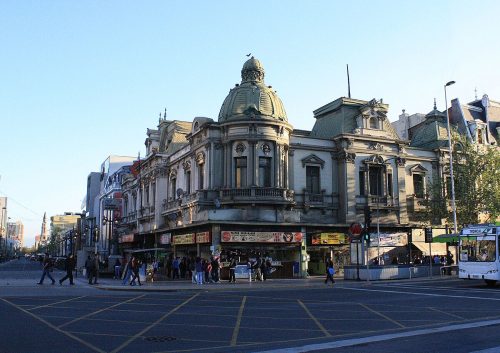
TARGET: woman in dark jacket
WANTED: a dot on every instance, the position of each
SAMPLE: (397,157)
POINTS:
(135,271)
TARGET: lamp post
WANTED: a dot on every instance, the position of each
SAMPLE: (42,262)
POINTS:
(450,151)
(111,222)
(96,238)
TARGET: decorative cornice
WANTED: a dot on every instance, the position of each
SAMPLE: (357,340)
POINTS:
(312,159)
(348,157)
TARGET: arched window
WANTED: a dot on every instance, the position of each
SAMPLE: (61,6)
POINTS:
(373,123)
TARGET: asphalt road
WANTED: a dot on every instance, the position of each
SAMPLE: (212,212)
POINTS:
(438,315)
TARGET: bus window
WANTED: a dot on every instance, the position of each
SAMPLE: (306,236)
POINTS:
(472,250)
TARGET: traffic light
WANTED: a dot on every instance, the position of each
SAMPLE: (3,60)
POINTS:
(368,217)
(366,237)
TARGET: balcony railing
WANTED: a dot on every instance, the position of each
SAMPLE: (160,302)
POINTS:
(374,201)
(130,218)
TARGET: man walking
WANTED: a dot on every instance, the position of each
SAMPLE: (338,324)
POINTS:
(232,270)
(48,266)
(93,271)
(68,266)
(330,271)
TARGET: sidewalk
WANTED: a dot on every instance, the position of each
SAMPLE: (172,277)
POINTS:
(186,285)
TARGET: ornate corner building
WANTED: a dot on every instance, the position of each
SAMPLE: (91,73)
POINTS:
(250,185)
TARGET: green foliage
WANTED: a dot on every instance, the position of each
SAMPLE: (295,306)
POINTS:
(476,171)
(56,234)
(477,183)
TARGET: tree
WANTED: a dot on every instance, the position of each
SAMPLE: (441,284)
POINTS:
(476,171)
(55,237)
(477,182)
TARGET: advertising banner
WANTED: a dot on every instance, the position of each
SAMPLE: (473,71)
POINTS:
(389,239)
(260,237)
(126,238)
(165,238)
(181,239)
(328,239)
(203,237)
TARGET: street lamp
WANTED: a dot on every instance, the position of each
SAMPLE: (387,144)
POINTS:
(110,232)
(450,151)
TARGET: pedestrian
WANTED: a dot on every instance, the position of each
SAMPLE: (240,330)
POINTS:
(135,271)
(118,266)
(175,267)
(258,270)
(87,267)
(208,270)
(330,271)
(232,271)
(48,267)
(68,266)
(193,271)
(93,270)
(168,265)
(127,271)
(199,270)
(215,270)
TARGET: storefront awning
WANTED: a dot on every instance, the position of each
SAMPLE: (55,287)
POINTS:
(436,248)
(446,238)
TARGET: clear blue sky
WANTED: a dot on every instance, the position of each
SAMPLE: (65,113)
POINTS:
(81,80)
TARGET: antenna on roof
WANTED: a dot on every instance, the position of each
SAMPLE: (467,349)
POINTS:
(165,114)
(348,83)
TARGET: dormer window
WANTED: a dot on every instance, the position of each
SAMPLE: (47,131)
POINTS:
(373,122)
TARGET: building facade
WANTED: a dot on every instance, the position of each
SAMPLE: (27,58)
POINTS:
(249,185)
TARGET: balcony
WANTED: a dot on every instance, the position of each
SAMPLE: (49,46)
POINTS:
(374,201)
(257,195)
(230,196)
(130,218)
(146,213)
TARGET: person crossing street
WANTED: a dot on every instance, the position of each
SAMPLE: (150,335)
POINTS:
(68,266)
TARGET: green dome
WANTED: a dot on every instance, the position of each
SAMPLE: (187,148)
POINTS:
(252,98)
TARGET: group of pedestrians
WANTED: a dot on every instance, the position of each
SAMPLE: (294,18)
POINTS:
(48,266)
(197,269)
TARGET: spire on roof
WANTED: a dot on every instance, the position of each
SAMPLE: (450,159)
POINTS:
(435,104)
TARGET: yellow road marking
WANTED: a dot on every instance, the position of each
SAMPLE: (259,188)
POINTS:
(94,348)
(99,311)
(236,330)
(382,315)
(127,342)
(50,304)
(321,327)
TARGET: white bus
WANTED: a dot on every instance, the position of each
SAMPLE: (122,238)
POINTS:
(479,253)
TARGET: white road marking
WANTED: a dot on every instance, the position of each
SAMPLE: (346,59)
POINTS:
(423,294)
(386,337)
(489,350)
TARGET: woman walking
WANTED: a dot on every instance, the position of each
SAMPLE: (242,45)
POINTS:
(330,271)
(135,272)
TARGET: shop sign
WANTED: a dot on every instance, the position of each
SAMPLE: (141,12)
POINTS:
(165,238)
(389,239)
(180,239)
(261,237)
(126,238)
(328,239)
(203,237)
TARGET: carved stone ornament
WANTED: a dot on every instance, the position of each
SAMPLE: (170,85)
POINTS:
(401,148)
(266,149)
(291,152)
(186,165)
(200,158)
(356,131)
(240,148)
(347,156)
(312,159)
(401,161)
(376,146)
(173,172)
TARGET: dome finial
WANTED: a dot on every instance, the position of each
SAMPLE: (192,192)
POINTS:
(252,71)
(435,104)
